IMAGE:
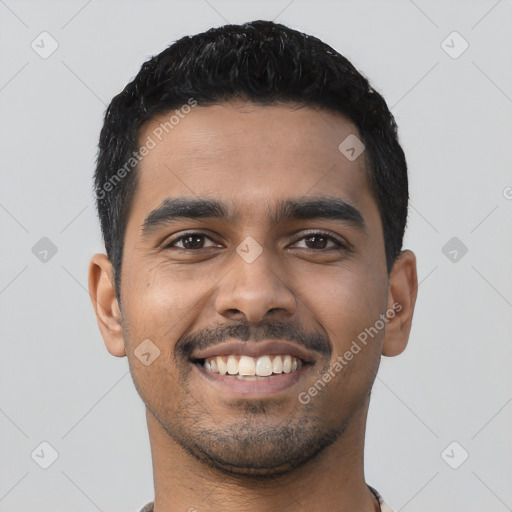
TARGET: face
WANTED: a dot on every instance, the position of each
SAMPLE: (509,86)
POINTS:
(253,260)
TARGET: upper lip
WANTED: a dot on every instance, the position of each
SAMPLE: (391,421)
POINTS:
(255,349)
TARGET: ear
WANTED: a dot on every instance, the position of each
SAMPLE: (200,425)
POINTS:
(402,292)
(103,296)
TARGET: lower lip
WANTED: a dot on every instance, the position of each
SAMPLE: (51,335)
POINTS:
(270,385)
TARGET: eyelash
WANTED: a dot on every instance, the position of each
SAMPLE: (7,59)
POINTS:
(340,245)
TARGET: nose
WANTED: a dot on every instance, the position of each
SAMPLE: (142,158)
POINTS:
(251,291)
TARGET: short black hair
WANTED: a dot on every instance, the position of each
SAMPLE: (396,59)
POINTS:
(264,63)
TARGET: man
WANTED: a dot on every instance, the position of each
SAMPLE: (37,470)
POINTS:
(253,196)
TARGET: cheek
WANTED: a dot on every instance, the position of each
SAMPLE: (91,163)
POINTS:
(346,302)
(160,309)
(161,305)
(349,314)
(160,297)
(348,308)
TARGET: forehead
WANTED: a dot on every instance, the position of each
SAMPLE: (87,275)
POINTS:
(247,155)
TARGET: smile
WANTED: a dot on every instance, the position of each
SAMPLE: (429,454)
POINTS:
(257,370)
(252,368)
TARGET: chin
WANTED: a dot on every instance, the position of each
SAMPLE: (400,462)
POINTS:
(252,451)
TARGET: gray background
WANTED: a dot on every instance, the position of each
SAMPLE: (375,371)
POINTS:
(453,383)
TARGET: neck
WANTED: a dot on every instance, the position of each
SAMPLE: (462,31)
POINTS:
(334,480)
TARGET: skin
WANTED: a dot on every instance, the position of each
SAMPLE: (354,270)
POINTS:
(219,450)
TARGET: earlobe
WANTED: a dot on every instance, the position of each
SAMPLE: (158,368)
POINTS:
(402,292)
(104,302)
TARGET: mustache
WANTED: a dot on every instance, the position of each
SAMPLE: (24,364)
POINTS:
(212,336)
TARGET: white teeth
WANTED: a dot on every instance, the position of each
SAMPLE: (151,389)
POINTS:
(264,366)
(232,365)
(221,365)
(277,365)
(250,368)
(246,366)
(287,364)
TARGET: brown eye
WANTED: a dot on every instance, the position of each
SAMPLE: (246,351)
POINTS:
(316,241)
(191,241)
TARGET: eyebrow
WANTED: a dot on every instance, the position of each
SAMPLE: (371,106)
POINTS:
(332,208)
(183,208)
